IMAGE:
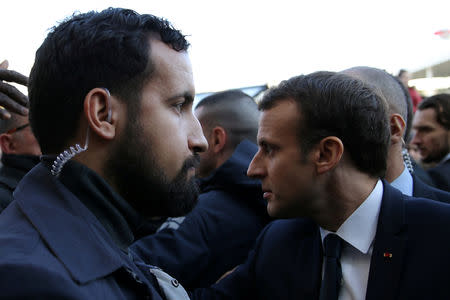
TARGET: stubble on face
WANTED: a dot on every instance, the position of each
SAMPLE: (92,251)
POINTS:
(143,183)
(439,153)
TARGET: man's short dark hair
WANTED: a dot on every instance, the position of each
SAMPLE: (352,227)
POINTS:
(441,105)
(333,104)
(233,110)
(107,49)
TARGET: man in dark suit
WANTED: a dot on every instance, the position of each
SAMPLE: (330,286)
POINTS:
(323,142)
(399,173)
(432,137)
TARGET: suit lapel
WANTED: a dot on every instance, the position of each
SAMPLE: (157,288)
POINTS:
(308,273)
(388,251)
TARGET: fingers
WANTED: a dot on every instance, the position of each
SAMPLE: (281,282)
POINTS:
(13,76)
(12,100)
(13,93)
(4,64)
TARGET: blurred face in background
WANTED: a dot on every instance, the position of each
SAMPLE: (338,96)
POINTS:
(431,138)
(20,139)
(404,78)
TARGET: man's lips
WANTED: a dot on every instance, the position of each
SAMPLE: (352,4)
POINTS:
(267,194)
(422,150)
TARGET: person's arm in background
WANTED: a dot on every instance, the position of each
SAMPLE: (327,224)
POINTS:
(11,99)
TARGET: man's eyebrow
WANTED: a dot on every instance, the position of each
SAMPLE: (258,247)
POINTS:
(424,127)
(263,143)
(186,95)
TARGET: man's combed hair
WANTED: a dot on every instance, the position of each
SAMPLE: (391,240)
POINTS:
(96,49)
(441,105)
(333,104)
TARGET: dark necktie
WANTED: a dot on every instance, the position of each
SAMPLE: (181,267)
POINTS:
(331,282)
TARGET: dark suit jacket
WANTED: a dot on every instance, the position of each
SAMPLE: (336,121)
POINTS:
(423,190)
(441,175)
(286,262)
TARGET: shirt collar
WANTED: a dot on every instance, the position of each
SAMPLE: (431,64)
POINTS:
(404,182)
(360,228)
(447,157)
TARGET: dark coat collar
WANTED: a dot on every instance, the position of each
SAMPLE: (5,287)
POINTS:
(83,245)
(233,172)
(15,167)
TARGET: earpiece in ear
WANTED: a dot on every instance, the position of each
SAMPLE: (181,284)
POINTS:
(108,118)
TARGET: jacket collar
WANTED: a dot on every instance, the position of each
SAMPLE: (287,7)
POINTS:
(22,162)
(233,172)
(67,227)
(15,167)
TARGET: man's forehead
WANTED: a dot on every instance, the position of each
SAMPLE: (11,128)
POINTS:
(172,68)
(163,53)
(427,114)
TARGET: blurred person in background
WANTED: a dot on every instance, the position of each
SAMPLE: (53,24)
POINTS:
(404,77)
(20,150)
(432,137)
(20,153)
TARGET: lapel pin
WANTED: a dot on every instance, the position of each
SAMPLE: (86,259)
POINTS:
(387,255)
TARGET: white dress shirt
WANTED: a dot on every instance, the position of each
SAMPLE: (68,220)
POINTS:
(404,183)
(358,232)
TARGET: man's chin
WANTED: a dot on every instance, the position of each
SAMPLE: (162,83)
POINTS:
(183,198)
(432,159)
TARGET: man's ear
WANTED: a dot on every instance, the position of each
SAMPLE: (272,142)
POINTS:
(398,126)
(98,110)
(328,154)
(6,143)
(218,139)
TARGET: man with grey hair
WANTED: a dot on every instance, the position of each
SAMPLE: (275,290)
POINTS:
(217,235)
(20,149)
(20,153)
(400,123)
